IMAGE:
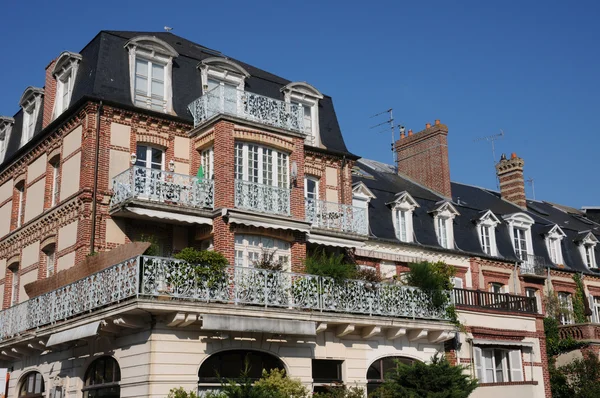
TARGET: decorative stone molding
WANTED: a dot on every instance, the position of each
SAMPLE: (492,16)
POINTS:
(206,140)
(264,138)
(152,139)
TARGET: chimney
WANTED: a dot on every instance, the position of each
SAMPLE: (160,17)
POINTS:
(49,94)
(512,184)
(423,157)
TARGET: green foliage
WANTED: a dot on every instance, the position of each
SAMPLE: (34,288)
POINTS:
(154,249)
(367,274)
(553,307)
(209,267)
(181,393)
(438,379)
(267,261)
(554,344)
(579,300)
(333,266)
(578,379)
(341,391)
(276,382)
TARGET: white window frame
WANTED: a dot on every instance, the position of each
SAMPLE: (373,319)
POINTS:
(493,286)
(227,73)
(50,253)
(277,179)
(55,186)
(488,222)
(20,197)
(249,247)
(457,282)
(31,102)
(14,286)
(553,244)
(316,181)
(306,95)
(144,94)
(534,293)
(565,300)
(587,249)
(595,306)
(522,222)
(443,218)
(207,160)
(152,50)
(6,125)
(512,364)
(148,160)
(404,204)
(65,73)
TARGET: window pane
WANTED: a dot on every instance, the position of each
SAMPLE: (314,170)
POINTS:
(158,89)
(158,72)
(141,67)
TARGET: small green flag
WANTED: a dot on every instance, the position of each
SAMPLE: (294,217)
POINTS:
(200,174)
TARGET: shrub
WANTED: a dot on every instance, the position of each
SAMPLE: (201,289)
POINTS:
(277,382)
(367,274)
(267,261)
(154,249)
(209,265)
(341,391)
(181,393)
(332,266)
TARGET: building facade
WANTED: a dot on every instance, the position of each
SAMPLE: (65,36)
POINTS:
(150,137)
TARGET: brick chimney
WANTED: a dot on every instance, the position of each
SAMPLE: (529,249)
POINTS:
(49,94)
(512,184)
(423,157)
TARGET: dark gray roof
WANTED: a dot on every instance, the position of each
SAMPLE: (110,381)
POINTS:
(104,75)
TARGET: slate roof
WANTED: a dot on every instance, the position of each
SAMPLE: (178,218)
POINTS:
(103,74)
(471,202)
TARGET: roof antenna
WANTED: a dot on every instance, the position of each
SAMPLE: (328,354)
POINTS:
(389,122)
(168,28)
(530,182)
(493,139)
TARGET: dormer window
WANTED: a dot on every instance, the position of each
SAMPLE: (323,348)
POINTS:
(150,71)
(361,196)
(587,248)
(553,244)
(6,124)
(443,217)
(402,212)
(519,225)
(31,102)
(307,98)
(486,227)
(65,72)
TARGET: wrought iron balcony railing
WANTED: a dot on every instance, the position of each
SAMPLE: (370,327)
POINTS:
(162,187)
(533,265)
(164,277)
(337,216)
(228,100)
(494,301)
(262,198)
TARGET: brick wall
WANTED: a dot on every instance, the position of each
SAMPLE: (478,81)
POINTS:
(512,184)
(49,95)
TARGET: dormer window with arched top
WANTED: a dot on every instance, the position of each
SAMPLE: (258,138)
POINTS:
(587,247)
(519,227)
(443,217)
(31,103)
(6,124)
(402,213)
(553,239)
(486,230)
(65,72)
(150,71)
(305,95)
(223,82)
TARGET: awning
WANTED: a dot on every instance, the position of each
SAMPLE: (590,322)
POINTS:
(511,343)
(264,221)
(80,332)
(327,240)
(231,323)
(164,215)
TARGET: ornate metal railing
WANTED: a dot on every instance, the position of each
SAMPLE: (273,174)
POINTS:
(244,285)
(163,187)
(108,286)
(533,265)
(337,216)
(262,198)
(494,301)
(224,99)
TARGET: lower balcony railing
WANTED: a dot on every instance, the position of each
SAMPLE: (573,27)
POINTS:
(262,198)
(163,187)
(533,265)
(580,331)
(164,277)
(494,301)
(337,216)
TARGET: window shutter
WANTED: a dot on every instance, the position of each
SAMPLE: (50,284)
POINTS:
(478,361)
(458,282)
(594,316)
(516,366)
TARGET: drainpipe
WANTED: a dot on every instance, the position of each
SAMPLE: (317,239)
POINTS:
(342,178)
(95,191)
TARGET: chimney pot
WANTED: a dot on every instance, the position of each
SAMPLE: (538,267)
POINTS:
(402,135)
(410,132)
(512,183)
(437,121)
(427,125)
(513,155)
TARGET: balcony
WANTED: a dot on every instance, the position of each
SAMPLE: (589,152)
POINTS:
(167,278)
(533,265)
(337,217)
(580,331)
(160,186)
(262,198)
(249,106)
(494,301)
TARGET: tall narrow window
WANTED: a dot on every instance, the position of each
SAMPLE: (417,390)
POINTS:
(590,256)
(553,250)
(595,304)
(55,172)
(150,84)
(50,254)
(15,286)
(63,95)
(6,124)
(31,102)
(402,226)
(520,243)
(566,308)
(65,72)
(20,202)
(28,125)
(486,243)
(443,232)
(311,188)
(207,158)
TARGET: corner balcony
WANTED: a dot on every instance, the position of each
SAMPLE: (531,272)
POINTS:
(533,265)
(164,187)
(242,104)
(503,302)
(337,217)
(164,279)
(262,198)
(580,331)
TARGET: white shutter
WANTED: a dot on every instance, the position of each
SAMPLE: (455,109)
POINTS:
(516,366)
(458,282)
(478,361)
(594,317)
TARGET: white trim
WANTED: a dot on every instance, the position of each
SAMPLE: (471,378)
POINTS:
(404,204)
(553,244)
(316,181)
(523,222)
(6,125)
(306,95)
(485,362)
(65,73)
(31,103)
(443,220)
(223,70)
(279,161)
(587,247)
(488,222)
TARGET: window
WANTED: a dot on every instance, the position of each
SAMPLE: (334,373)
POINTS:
(311,188)
(457,282)
(150,158)
(151,68)
(6,124)
(20,187)
(496,287)
(566,308)
(595,306)
(443,221)
(30,102)
(486,227)
(402,226)
(102,379)
(261,165)
(50,253)
(55,164)
(377,372)
(28,124)
(520,243)
(486,243)
(65,72)
(207,161)
(402,212)
(32,385)
(250,248)
(519,226)
(533,293)
(442,231)
(326,372)
(14,294)
(497,365)
(63,92)
(590,256)
(307,98)
(553,240)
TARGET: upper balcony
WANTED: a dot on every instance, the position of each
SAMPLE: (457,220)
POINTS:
(159,186)
(165,278)
(533,265)
(337,217)
(257,108)
(503,302)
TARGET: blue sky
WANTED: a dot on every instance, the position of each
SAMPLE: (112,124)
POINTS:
(479,66)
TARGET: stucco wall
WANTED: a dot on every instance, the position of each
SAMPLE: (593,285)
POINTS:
(36,168)
(34,206)
(6,190)
(5,218)
(72,142)
(67,236)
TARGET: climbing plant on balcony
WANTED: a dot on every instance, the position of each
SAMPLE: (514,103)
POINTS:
(580,312)
(209,266)
(331,265)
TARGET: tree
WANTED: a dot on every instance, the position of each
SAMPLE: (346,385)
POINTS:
(578,379)
(276,382)
(438,379)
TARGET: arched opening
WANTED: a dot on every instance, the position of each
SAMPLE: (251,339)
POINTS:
(376,374)
(32,385)
(229,365)
(102,379)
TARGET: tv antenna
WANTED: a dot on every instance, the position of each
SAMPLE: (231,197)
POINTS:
(390,123)
(530,182)
(493,139)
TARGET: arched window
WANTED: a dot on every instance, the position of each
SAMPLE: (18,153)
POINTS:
(380,368)
(228,365)
(102,379)
(32,385)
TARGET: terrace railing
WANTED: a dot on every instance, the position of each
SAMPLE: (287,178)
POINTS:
(337,216)
(533,265)
(494,301)
(262,198)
